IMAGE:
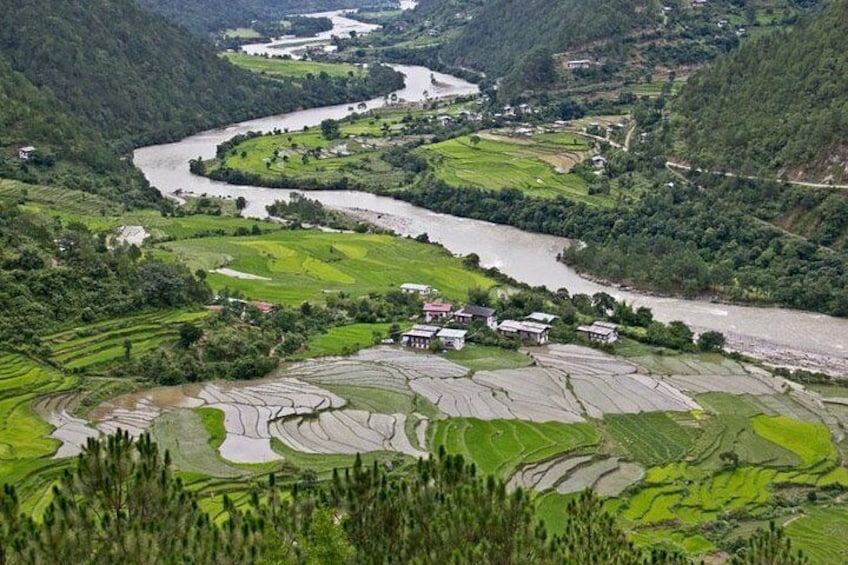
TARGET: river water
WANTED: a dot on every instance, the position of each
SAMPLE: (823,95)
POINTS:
(782,336)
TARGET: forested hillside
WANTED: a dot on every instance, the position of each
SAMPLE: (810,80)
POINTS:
(501,32)
(775,106)
(130,74)
(205,16)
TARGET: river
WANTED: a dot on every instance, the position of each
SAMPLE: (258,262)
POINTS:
(782,336)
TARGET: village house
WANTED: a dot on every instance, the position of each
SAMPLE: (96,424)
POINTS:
(445,120)
(598,162)
(437,311)
(419,337)
(578,64)
(530,332)
(541,317)
(264,307)
(471,313)
(452,339)
(600,332)
(25,153)
(413,288)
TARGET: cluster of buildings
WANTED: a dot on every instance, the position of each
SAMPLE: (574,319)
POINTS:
(534,329)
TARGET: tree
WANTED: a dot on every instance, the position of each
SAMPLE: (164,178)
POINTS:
(711,341)
(241,204)
(475,140)
(127,350)
(189,334)
(478,296)
(330,129)
(769,547)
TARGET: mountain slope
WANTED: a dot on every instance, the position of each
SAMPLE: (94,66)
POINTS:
(776,106)
(206,16)
(500,32)
(132,75)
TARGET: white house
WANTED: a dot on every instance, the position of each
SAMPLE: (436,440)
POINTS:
(598,162)
(601,332)
(578,64)
(25,153)
(414,288)
(452,339)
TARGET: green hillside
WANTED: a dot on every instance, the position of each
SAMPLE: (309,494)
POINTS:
(786,112)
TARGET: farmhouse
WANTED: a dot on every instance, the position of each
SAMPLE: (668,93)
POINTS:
(452,339)
(531,332)
(541,317)
(437,311)
(471,313)
(600,332)
(413,288)
(264,307)
(445,120)
(578,64)
(419,337)
(25,153)
(598,162)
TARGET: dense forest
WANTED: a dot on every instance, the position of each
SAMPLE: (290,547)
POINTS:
(122,503)
(205,16)
(506,38)
(784,113)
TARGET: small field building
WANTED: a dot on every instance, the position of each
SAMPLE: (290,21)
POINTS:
(600,332)
(542,317)
(437,311)
(530,332)
(25,153)
(471,313)
(414,288)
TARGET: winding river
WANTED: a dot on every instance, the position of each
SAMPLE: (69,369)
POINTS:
(783,336)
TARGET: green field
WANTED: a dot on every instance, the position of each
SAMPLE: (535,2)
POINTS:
(305,265)
(342,340)
(242,33)
(822,534)
(24,435)
(278,67)
(811,442)
(499,446)
(651,438)
(523,163)
(486,358)
(87,347)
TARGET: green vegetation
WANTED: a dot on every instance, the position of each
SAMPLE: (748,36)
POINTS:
(288,67)
(181,432)
(306,265)
(651,438)
(529,165)
(821,533)
(811,442)
(469,517)
(90,346)
(784,112)
(341,340)
(488,358)
(498,446)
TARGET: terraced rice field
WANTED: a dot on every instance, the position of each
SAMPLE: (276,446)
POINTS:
(23,434)
(651,438)
(822,534)
(305,265)
(90,346)
(534,166)
(289,67)
(498,446)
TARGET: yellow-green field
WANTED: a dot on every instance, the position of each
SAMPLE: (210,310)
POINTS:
(536,166)
(305,265)
(289,67)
